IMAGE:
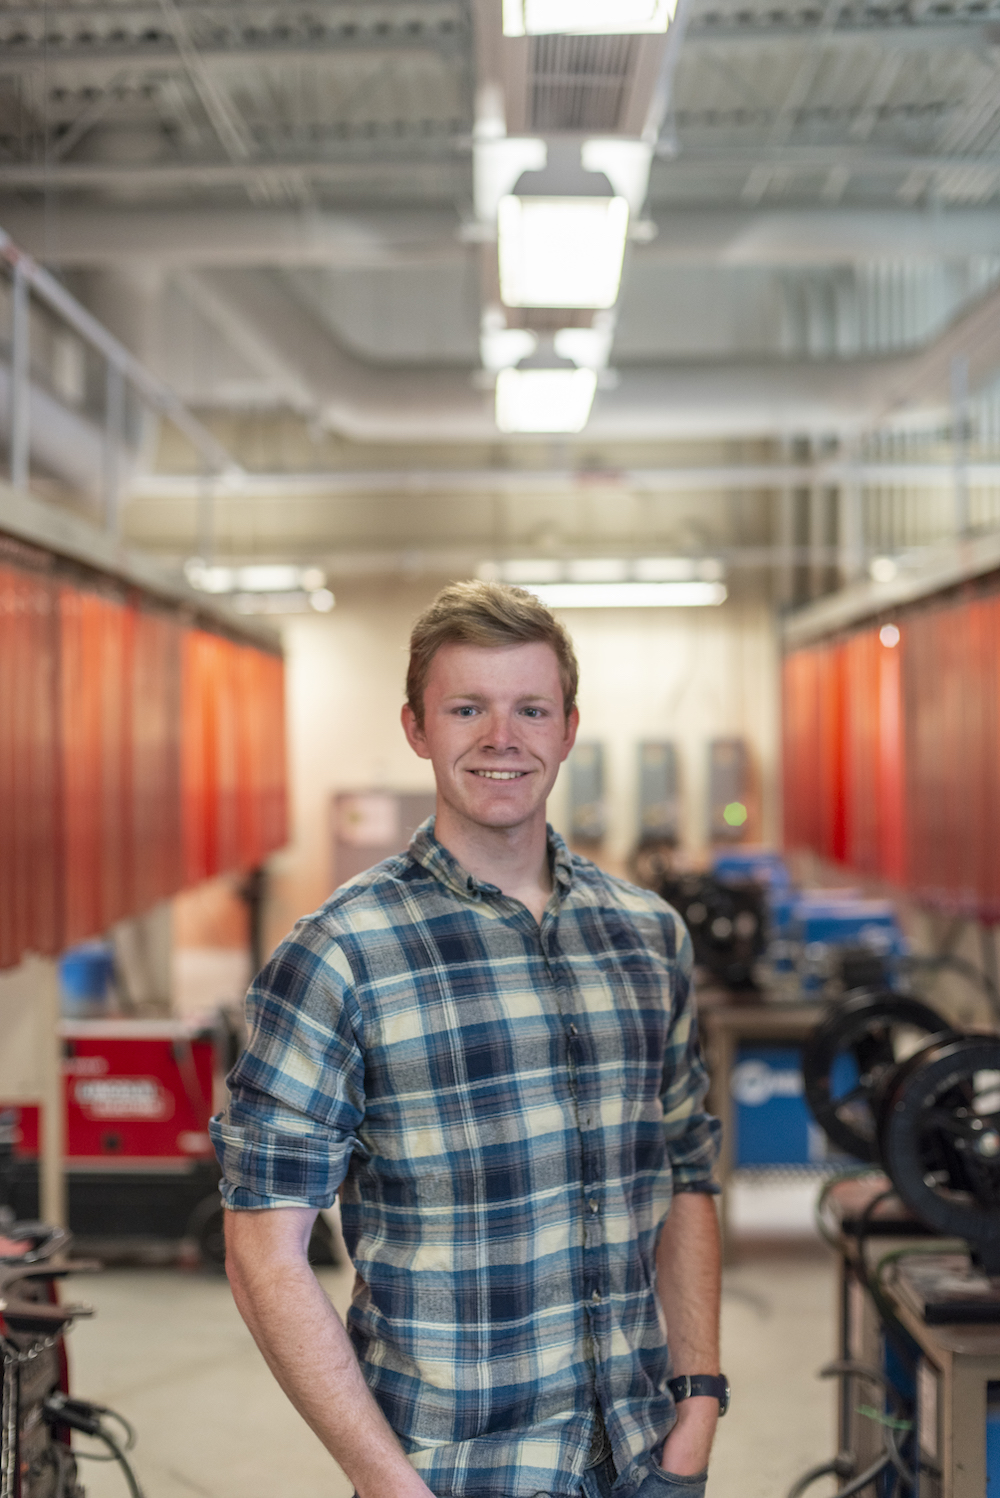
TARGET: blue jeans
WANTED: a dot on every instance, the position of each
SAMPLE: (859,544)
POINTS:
(599,1482)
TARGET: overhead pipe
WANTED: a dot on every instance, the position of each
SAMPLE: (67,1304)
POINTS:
(369,403)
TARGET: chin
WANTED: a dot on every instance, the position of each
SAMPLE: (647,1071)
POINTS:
(500,816)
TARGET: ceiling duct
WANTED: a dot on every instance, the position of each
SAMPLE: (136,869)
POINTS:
(579,82)
(592,85)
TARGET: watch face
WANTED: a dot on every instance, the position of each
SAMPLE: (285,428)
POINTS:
(726,1395)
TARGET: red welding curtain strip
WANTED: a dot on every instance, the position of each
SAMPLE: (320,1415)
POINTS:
(233,756)
(137,756)
(30,832)
(914,727)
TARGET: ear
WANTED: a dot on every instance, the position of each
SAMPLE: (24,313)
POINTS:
(572,724)
(414,733)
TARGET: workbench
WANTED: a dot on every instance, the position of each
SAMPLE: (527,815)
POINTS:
(725,1026)
(953,1368)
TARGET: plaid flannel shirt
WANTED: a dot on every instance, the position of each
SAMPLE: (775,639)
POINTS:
(506,1110)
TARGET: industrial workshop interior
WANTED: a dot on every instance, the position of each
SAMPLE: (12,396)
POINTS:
(682,319)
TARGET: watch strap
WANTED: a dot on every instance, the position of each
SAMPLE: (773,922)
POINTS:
(714,1385)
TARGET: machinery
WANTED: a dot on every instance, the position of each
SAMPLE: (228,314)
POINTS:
(141,1170)
(917,1228)
(139,1095)
(922,1101)
(727,922)
(39,1413)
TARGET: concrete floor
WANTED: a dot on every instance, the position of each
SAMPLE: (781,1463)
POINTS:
(169,1351)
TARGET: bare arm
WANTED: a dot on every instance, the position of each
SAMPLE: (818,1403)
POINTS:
(688,1278)
(307,1348)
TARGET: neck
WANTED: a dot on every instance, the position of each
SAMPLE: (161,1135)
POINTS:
(515,859)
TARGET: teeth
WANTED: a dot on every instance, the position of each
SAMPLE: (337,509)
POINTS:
(500,774)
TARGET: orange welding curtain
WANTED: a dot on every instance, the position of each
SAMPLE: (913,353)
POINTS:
(892,752)
(137,755)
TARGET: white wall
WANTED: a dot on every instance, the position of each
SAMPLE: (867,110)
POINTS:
(686,674)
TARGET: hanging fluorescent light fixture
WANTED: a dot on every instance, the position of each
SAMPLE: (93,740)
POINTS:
(586,17)
(629,595)
(528,570)
(263,588)
(544,400)
(561,252)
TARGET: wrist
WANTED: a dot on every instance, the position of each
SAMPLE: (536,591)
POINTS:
(687,1447)
(698,1410)
(695,1385)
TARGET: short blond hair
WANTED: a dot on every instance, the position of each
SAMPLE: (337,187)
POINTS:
(486,614)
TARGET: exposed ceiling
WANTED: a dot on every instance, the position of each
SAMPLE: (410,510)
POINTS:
(278,208)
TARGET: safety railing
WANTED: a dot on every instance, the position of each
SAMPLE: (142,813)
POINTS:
(124,377)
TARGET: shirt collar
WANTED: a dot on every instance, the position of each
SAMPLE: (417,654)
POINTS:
(446,869)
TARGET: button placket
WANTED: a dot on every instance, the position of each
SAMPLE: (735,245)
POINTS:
(586,1104)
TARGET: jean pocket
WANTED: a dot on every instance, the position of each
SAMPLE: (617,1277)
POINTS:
(660,1484)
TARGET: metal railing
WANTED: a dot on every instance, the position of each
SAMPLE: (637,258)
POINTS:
(123,373)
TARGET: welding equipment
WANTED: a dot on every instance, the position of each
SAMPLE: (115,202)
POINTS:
(38,1411)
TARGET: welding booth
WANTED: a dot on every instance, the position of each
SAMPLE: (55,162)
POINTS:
(141,752)
(891,752)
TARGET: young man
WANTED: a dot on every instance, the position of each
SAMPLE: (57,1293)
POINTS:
(488,1047)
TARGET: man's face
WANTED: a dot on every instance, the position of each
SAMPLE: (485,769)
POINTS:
(494,729)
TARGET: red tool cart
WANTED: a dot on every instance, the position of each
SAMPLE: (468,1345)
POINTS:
(140,1164)
(141,1171)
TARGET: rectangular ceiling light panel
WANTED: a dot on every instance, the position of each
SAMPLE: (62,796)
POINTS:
(629,595)
(586,17)
(527,570)
(544,400)
(561,252)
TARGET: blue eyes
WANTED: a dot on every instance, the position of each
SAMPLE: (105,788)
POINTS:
(468,711)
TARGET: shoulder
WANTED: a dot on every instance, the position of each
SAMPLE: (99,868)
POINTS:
(372,911)
(657,921)
(371,901)
(364,929)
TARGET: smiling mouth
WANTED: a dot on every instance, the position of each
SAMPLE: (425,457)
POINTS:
(500,774)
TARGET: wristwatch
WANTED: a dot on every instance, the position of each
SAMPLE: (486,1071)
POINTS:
(715,1385)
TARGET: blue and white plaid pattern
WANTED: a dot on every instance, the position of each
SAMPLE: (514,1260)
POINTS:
(506,1110)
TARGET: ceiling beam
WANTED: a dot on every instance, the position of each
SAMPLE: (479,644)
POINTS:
(768,28)
(187,237)
(726,478)
(199,238)
(355,160)
(33,36)
(358,159)
(158,52)
(862,159)
(350,15)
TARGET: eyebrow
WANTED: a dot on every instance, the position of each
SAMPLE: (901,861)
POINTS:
(480,697)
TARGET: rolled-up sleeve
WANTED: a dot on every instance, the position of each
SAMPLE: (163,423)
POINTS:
(297,1090)
(693,1135)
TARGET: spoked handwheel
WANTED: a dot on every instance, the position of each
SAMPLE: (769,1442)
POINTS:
(938,1118)
(857,1042)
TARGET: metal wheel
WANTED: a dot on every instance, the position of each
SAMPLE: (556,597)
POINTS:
(858,1040)
(939,1138)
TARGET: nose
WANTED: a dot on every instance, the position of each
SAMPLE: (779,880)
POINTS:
(500,734)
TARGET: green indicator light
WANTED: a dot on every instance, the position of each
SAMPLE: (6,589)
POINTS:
(735,814)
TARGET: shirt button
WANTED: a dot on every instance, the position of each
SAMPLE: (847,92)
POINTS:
(594,1204)
(573,1030)
(595,1298)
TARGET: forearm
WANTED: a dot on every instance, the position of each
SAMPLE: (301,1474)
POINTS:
(308,1350)
(688,1282)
